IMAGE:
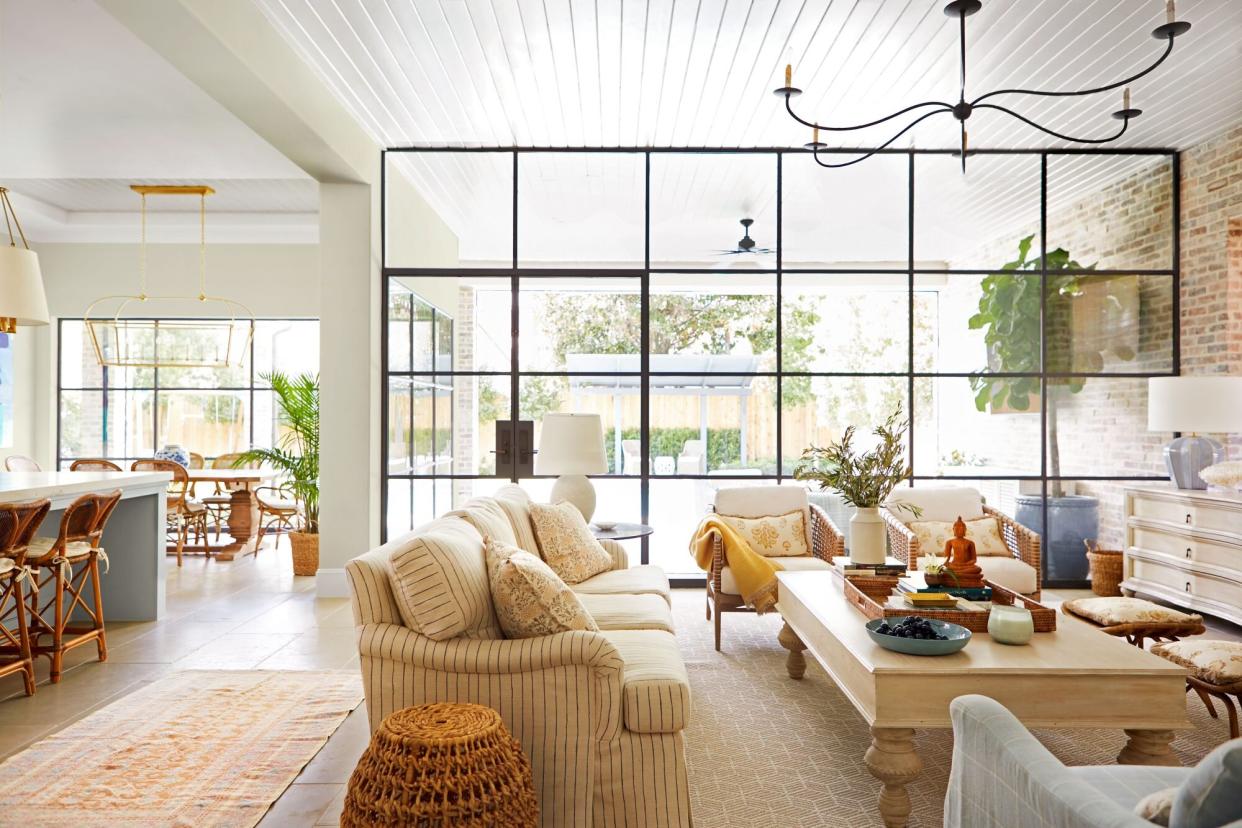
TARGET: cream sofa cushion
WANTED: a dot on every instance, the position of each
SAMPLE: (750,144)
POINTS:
(984,531)
(486,515)
(1110,611)
(439,582)
(773,536)
(515,503)
(567,543)
(614,611)
(1011,573)
(761,501)
(943,503)
(529,598)
(1213,661)
(655,688)
(637,580)
(728,584)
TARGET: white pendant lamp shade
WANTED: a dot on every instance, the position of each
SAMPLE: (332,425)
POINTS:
(571,444)
(1202,405)
(21,287)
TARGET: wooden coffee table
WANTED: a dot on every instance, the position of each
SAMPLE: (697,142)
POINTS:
(1076,677)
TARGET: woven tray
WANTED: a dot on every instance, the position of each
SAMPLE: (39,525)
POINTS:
(872,600)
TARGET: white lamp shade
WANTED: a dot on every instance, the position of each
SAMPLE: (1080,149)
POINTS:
(21,287)
(571,444)
(1208,405)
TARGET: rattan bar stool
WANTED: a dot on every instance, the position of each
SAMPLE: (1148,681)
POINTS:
(18,523)
(94,464)
(182,512)
(69,566)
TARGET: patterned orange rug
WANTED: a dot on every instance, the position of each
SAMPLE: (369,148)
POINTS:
(197,748)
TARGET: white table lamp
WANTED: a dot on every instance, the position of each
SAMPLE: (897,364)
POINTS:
(1194,406)
(572,446)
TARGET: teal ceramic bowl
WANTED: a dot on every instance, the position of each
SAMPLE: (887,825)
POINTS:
(957,638)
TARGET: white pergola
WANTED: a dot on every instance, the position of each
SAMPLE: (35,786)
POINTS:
(698,375)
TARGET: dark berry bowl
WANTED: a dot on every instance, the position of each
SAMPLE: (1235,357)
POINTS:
(924,636)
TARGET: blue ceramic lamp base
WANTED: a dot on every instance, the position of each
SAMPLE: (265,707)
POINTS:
(1185,457)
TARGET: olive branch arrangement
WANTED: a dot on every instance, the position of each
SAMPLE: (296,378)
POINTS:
(863,479)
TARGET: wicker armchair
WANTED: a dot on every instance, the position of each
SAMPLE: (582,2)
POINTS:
(826,542)
(1022,543)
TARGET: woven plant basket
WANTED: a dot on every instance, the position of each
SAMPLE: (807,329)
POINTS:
(1105,567)
(442,765)
(305,553)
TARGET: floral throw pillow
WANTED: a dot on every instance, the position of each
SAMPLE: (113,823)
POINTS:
(566,542)
(773,536)
(984,531)
(529,599)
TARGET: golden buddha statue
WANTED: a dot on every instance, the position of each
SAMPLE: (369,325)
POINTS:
(960,557)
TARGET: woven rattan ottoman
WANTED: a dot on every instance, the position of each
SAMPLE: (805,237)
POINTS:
(1134,619)
(442,765)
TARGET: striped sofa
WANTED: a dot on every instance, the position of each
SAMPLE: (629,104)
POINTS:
(601,715)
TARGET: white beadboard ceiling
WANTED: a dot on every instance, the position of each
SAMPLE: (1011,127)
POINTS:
(700,73)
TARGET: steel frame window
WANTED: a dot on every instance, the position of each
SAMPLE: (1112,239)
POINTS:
(518,274)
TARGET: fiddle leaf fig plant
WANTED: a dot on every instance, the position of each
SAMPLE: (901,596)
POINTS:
(1014,320)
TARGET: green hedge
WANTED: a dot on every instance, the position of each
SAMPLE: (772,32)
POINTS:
(723,445)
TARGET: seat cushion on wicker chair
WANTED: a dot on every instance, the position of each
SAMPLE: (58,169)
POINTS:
(566,542)
(194,507)
(1010,573)
(1108,612)
(529,599)
(728,584)
(628,612)
(943,503)
(984,531)
(773,536)
(655,688)
(7,565)
(278,504)
(40,546)
(637,580)
(216,500)
(439,582)
(1216,662)
(485,514)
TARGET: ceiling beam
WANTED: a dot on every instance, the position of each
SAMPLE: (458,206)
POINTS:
(235,54)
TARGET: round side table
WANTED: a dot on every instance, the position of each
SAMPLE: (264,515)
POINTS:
(622,531)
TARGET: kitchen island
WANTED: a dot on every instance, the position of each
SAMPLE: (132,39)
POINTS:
(133,589)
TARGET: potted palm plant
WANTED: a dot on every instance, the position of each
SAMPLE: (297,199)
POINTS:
(296,457)
(864,480)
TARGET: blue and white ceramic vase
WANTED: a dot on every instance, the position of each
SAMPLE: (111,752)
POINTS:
(175,453)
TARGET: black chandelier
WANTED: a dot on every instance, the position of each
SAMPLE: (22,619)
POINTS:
(962,111)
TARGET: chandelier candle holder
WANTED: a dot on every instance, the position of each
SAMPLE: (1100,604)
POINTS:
(218,335)
(963,109)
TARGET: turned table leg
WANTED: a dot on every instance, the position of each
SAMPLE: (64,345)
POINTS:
(1148,747)
(795,663)
(243,524)
(893,760)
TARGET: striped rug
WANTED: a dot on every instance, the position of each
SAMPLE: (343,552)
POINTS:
(196,748)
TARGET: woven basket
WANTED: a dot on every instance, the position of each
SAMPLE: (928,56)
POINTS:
(305,553)
(442,765)
(1105,566)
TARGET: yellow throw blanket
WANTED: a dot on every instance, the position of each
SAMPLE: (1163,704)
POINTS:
(755,574)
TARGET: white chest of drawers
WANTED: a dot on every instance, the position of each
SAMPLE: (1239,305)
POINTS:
(1185,547)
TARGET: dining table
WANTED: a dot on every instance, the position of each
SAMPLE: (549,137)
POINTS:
(242,521)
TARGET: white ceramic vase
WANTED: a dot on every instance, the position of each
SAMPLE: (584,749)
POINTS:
(867,536)
(1010,625)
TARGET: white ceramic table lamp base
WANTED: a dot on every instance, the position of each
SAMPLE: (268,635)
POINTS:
(1197,405)
(572,446)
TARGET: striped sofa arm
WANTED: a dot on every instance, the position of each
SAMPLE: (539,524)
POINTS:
(620,558)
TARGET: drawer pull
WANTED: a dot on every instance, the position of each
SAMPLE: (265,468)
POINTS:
(1188,586)
(1187,552)
(1188,518)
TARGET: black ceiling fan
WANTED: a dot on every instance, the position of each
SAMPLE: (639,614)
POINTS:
(746,244)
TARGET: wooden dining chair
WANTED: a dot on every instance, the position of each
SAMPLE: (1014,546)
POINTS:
(94,464)
(197,461)
(21,463)
(68,565)
(221,503)
(18,523)
(182,511)
(278,511)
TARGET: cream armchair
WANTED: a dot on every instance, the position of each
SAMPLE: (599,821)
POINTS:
(823,538)
(600,715)
(1019,571)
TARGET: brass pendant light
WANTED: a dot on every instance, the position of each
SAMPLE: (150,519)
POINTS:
(217,337)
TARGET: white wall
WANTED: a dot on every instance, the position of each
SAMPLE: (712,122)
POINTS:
(274,280)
